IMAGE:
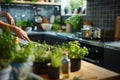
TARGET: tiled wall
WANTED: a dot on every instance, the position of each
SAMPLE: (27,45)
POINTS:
(103,14)
(25,12)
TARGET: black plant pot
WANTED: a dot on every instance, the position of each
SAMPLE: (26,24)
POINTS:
(40,67)
(53,72)
(75,64)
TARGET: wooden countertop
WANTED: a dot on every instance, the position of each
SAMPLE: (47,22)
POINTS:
(90,71)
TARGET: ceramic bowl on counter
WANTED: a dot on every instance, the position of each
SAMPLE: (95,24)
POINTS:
(46,26)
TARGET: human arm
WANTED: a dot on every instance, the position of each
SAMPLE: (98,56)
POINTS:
(19,32)
(8,17)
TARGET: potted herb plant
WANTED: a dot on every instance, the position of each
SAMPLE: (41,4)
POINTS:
(75,53)
(55,63)
(57,24)
(75,4)
(41,58)
(7,48)
(22,58)
(75,22)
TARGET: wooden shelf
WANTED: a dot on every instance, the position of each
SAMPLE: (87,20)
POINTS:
(37,3)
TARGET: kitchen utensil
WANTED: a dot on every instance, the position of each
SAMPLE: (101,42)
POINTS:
(38,19)
(46,26)
(86,33)
(96,33)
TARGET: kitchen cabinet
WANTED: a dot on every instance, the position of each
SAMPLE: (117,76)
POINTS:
(53,39)
(36,37)
(95,55)
(95,49)
(111,59)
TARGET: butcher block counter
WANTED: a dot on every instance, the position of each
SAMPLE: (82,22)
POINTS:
(90,71)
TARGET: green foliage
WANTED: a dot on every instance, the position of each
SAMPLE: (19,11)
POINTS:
(8,1)
(7,46)
(15,52)
(34,0)
(74,50)
(57,22)
(42,52)
(55,56)
(23,52)
(76,3)
(76,78)
(24,23)
(30,23)
(75,20)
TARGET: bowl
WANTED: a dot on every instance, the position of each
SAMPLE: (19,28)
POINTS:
(46,26)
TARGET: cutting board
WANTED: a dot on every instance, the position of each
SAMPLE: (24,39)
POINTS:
(117,29)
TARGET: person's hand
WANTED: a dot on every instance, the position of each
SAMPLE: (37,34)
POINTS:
(20,33)
(8,17)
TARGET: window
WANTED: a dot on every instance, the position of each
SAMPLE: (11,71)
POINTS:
(73,7)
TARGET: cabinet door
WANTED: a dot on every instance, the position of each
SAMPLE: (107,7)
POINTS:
(112,59)
(95,55)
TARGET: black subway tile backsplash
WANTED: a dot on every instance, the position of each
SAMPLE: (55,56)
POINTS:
(25,11)
(103,14)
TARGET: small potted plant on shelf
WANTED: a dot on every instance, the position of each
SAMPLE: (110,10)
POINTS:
(75,53)
(25,24)
(57,25)
(73,23)
(76,5)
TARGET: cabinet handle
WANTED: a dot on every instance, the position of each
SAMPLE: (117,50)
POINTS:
(96,51)
(91,60)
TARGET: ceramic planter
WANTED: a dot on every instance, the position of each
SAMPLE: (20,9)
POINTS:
(21,70)
(75,64)
(69,28)
(5,73)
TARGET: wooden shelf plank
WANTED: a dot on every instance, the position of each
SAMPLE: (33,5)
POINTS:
(37,3)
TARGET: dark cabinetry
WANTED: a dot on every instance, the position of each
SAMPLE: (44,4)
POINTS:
(37,37)
(53,39)
(49,39)
(112,59)
(95,55)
